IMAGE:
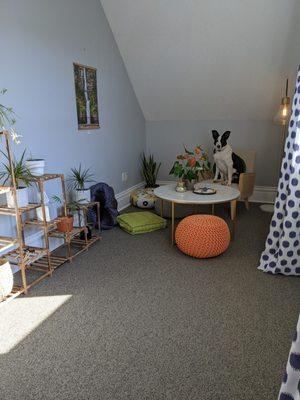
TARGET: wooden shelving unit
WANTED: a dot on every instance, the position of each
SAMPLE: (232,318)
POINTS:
(14,249)
(41,261)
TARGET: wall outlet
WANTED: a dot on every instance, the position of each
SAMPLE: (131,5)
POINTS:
(124,176)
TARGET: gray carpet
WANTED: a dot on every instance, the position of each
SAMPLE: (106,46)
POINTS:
(143,321)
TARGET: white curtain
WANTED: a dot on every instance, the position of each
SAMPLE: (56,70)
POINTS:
(290,388)
(282,249)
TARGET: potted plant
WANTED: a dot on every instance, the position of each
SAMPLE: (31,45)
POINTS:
(191,166)
(6,279)
(149,170)
(36,166)
(22,177)
(78,181)
(66,223)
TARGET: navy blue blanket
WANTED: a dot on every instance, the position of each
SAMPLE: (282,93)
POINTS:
(104,194)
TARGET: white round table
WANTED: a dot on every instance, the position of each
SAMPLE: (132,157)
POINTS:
(224,194)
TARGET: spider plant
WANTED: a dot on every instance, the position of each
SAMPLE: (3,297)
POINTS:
(72,206)
(8,120)
(21,172)
(149,170)
(7,115)
(79,178)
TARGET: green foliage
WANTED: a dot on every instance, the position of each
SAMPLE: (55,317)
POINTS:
(72,206)
(57,199)
(149,170)
(191,164)
(21,172)
(7,115)
(79,178)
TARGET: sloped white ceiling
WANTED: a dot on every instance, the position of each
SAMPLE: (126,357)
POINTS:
(204,59)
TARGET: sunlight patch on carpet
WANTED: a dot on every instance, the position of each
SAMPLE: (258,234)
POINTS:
(23,315)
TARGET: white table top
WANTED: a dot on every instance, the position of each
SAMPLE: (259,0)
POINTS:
(224,194)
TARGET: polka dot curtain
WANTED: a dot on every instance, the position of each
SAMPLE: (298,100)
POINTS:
(290,388)
(282,250)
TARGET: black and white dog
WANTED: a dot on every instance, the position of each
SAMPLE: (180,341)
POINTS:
(228,165)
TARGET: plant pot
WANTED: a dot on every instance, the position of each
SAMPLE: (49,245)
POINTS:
(6,279)
(22,198)
(65,224)
(50,210)
(82,196)
(36,166)
(189,184)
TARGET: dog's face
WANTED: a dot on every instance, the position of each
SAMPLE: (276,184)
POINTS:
(220,141)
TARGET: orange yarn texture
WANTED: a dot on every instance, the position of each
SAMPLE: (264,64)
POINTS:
(202,236)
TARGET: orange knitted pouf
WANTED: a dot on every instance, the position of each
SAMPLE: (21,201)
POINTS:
(202,236)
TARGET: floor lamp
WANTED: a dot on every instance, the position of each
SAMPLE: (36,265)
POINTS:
(282,118)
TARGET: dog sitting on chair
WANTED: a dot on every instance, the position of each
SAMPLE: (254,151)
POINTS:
(228,165)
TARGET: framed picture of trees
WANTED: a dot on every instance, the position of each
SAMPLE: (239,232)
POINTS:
(86,96)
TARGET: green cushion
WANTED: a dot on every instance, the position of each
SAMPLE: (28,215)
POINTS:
(141,222)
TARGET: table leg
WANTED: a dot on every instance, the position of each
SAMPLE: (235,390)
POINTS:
(173,223)
(162,208)
(233,204)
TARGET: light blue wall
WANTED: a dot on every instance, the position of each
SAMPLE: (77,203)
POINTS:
(40,40)
(165,140)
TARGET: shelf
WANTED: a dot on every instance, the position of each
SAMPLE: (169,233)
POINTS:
(90,241)
(4,210)
(5,189)
(84,206)
(6,243)
(67,235)
(16,291)
(30,255)
(36,222)
(45,177)
(42,263)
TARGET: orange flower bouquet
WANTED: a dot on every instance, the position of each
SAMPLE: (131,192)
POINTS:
(191,165)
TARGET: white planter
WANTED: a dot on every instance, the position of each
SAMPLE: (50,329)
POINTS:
(6,279)
(36,167)
(79,219)
(22,198)
(39,213)
(50,211)
(82,196)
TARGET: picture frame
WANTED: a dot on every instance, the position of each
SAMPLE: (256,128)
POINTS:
(86,93)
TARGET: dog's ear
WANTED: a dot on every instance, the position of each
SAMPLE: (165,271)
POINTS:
(226,135)
(215,134)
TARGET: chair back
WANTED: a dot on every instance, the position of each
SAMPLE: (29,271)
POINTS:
(249,157)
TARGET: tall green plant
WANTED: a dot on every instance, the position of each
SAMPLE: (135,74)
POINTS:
(79,178)
(149,170)
(21,173)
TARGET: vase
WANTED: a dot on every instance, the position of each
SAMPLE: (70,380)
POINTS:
(36,166)
(190,184)
(6,279)
(22,198)
(180,187)
(82,195)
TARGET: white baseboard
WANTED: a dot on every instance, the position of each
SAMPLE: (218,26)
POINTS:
(264,194)
(123,198)
(261,194)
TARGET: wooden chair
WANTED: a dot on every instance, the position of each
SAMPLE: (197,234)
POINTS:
(247,179)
